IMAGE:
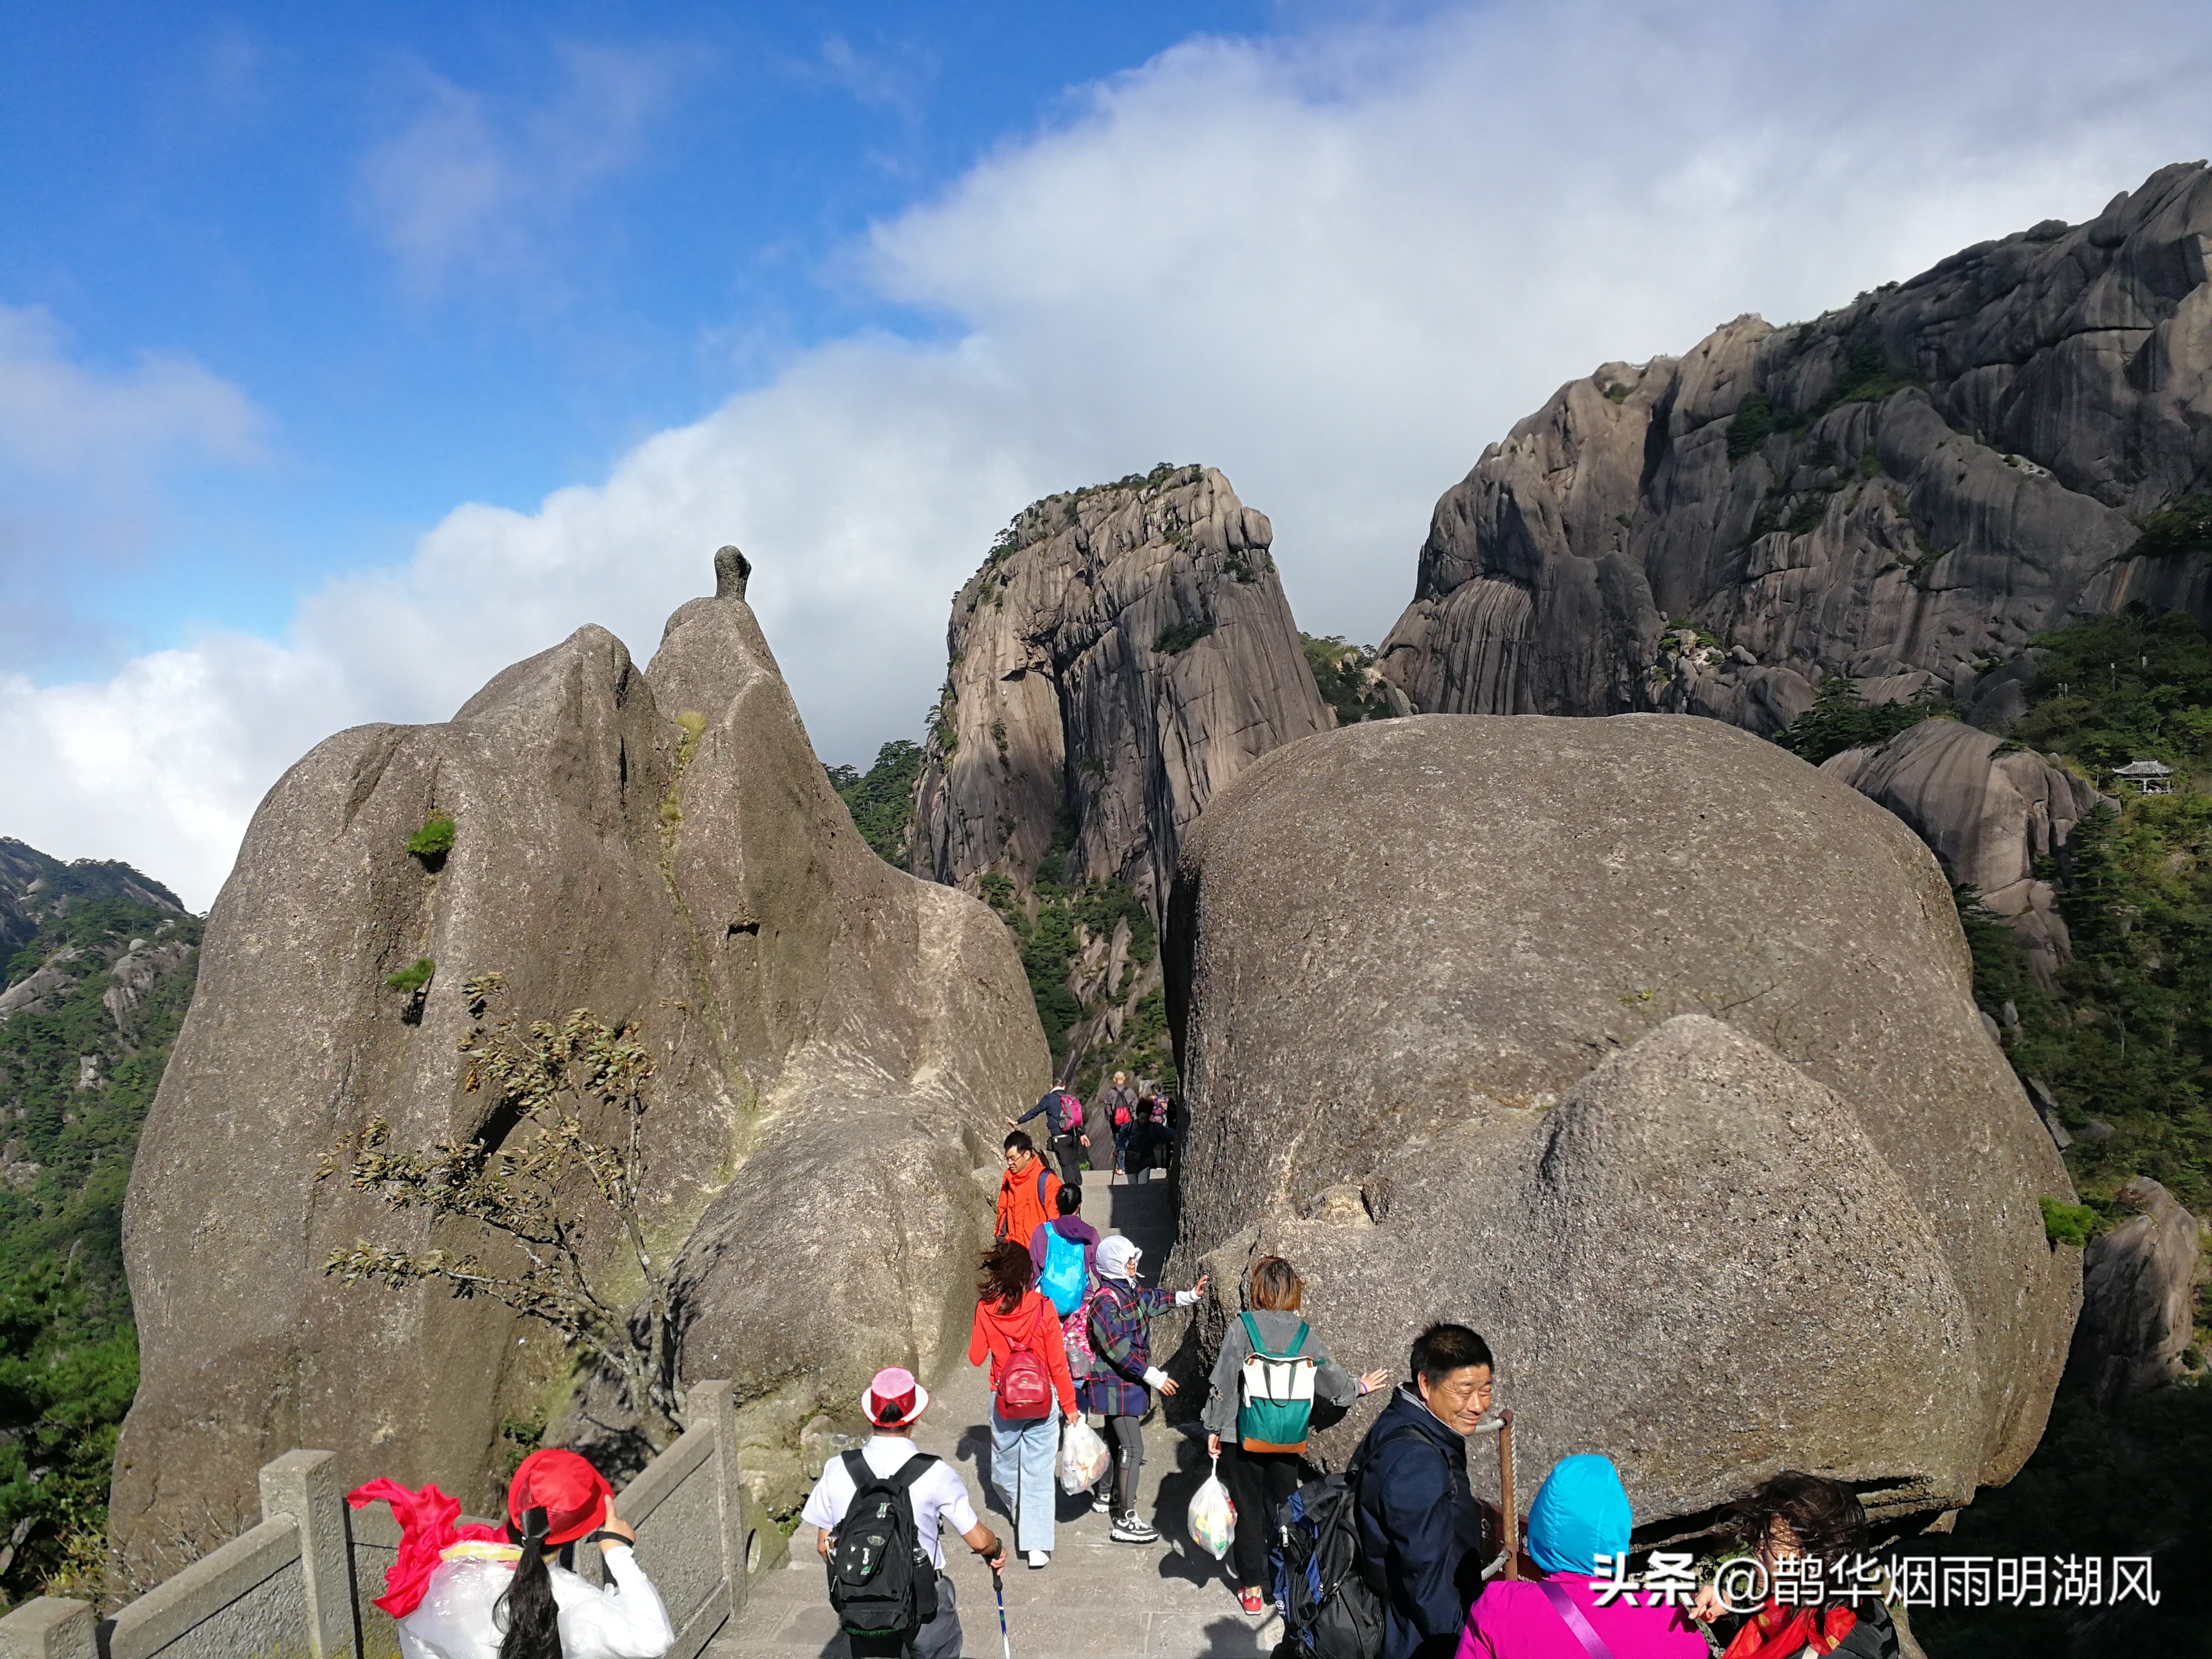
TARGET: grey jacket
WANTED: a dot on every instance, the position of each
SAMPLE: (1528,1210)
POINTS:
(1278,1327)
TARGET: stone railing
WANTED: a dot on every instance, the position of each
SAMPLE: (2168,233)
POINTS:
(301,1584)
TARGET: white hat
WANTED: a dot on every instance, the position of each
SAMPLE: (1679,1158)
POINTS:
(1117,1257)
(894,1399)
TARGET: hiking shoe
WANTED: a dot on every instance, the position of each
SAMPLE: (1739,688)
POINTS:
(1134,1529)
(1252,1601)
(1038,1558)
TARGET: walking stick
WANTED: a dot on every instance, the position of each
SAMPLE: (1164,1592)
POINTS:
(1505,1492)
(998,1590)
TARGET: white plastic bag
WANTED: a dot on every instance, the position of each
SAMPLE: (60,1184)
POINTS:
(455,1614)
(1083,1456)
(1213,1516)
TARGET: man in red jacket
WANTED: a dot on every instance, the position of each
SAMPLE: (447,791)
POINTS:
(1029,1193)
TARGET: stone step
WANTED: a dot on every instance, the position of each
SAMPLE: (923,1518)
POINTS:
(1137,1602)
(1097,1599)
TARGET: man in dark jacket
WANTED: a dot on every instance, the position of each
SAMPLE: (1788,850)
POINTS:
(1116,1110)
(1420,1531)
(1064,1129)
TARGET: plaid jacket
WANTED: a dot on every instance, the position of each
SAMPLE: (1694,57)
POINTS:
(1123,1347)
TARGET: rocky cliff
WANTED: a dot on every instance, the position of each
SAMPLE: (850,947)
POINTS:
(1679,1053)
(662,847)
(1902,491)
(37,890)
(2137,1298)
(99,962)
(1122,653)
(1988,810)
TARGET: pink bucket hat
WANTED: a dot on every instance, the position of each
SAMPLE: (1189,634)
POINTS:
(894,1399)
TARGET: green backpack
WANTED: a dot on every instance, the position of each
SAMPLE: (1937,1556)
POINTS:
(1278,1395)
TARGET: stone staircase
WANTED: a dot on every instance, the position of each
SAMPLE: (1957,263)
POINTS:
(1097,1599)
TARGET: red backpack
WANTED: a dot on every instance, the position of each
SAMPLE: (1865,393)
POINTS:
(1024,1391)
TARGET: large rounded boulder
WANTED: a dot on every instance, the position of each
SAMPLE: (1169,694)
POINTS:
(1649,1050)
(660,846)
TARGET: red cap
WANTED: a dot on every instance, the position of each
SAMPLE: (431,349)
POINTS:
(573,1494)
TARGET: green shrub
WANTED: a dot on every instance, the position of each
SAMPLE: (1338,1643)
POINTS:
(1345,676)
(434,840)
(1811,509)
(413,977)
(1863,375)
(999,893)
(2184,527)
(2068,1224)
(1179,637)
(881,799)
(66,1379)
(1046,954)
(943,732)
(1841,719)
(1754,422)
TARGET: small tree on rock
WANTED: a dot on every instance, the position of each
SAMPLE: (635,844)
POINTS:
(571,1099)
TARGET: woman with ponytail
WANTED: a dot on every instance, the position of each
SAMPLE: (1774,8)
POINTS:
(480,1592)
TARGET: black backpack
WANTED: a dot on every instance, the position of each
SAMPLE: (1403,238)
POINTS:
(881,1582)
(1329,1609)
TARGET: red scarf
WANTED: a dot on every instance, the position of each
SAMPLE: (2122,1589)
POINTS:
(426,1522)
(1779,1632)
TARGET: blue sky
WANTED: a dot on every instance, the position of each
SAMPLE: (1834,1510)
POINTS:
(471,252)
(348,353)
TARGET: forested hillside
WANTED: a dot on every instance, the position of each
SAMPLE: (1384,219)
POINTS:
(99,964)
(881,799)
(2123,1044)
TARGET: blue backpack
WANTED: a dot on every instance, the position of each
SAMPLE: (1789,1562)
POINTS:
(1063,1280)
(1329,1609)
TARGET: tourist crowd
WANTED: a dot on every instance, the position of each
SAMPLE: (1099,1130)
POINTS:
(1394,1558)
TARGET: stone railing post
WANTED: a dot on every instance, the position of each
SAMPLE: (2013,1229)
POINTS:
(48,1627)
(713,1402)
(304,1485)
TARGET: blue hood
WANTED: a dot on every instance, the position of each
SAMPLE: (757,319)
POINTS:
(1580,1513)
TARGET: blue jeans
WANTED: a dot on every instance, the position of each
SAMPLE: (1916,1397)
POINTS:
(1022,1455)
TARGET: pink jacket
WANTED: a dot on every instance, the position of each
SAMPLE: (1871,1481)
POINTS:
(1513,1619)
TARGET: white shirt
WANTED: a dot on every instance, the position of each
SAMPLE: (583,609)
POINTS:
(625,1621)
(939,1493)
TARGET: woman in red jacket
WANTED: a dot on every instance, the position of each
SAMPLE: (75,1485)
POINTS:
(1030,1389)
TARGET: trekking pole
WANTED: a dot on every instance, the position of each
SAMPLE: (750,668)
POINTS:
(1505,1492)
(998,1590)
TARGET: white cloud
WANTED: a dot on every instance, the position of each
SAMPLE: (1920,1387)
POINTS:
(1334,265)
(58,416)
(464,186)
(84,451)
